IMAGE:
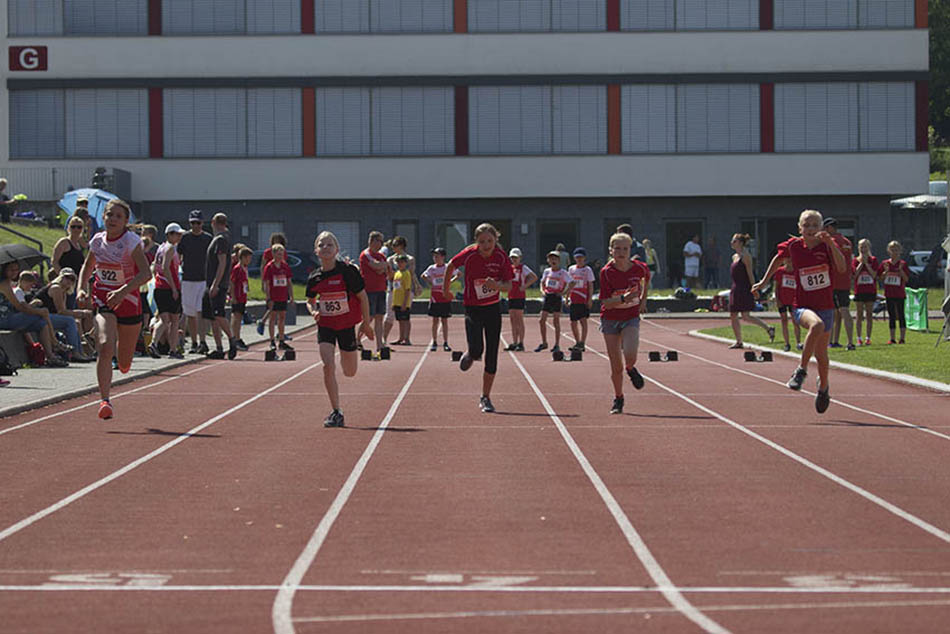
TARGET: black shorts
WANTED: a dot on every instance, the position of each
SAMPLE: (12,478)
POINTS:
(865,297)
(785,308)
(212,307)
(516,304)
(440,309)
(278,306)
(166,303)
(579,311)
(552,303)
(377,302)
(842,299)
(125,320)
(146,307)
(345,338)
(402,314)
(238,309)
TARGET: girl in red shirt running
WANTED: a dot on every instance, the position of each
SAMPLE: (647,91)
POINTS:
(895,274)
(487,272)
(120,266)
(813,255)
(865,268)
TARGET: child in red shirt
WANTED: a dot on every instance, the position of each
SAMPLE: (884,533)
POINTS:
(785,287)
(895,274)
(865,268)
(239,293)
(279,292)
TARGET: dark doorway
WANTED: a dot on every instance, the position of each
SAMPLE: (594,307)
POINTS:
(777,230)
(678,233)
(552,233)
(504,228)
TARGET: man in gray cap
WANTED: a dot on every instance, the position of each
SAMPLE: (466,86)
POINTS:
(193,251)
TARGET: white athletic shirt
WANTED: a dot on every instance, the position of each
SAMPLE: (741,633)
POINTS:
(554,281)
(114,263)
(583,276)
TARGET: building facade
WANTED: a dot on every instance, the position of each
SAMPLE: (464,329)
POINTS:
(555,119)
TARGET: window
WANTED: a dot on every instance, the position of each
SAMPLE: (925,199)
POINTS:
(647,15)
(347,233)
(816,117)
(384,16)
(717,118)
(265,230)
(882,14)
(191,17)
(648,123)
(274,122)
(689,15)
(580,119)
(452,235)
(492,16)
(273,16)
(34,17)
(844,14)
(205,122)
(105,17)
(411,120)
(37,125)
(887,116)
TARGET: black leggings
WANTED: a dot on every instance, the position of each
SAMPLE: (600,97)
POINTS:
(487,319)
(895,311)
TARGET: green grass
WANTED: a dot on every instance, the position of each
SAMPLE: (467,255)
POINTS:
(44,234)
(917,357)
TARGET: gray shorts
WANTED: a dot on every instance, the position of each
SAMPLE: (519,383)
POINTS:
(629,331)
(615,326)
(377,303)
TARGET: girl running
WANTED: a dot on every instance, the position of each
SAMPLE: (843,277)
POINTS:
(895,273)
(741,300)
(336,297)
(812,255)
(487,272)
(624,284)
(865,267)
(523,278)
(120,267)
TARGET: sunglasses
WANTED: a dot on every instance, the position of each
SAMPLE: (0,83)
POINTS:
(76,227)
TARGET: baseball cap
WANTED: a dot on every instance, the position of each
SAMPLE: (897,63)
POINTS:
(195,215)
(580,251)
(554,253)
(514,253)
(173,227)
(82,200)
(439,250)
(829,222)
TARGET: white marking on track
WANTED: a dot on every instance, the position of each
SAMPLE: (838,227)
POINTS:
(640,549)
(98,484)
(281,617)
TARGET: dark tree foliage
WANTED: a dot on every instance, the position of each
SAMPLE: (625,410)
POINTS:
(939,21)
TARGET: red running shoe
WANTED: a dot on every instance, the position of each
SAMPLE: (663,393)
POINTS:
(105,410)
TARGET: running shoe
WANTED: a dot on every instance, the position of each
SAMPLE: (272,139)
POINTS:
(193,349)
(582,347)
(617,406)
(217,354)
(736,346)
(105,409)
(446,347)
(153,352)
(867,341)
(285,346)
(798,377)
(175,354)
(203,348)
(465,362)
(575,348)
(232,352)
(288,338)
(851,347)
(433,347)
(541,346)
(892,343)
(834,345)
(511,347)
(273,346)
(556,349)
(520,348)
(801,346)
(335,419)
(260,328)
(240,345)
(901,341)
(786,347)
(485,404)
(635,377)
(822,399)
(4,383)
(771,332)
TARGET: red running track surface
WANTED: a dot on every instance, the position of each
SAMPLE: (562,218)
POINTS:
(719,501)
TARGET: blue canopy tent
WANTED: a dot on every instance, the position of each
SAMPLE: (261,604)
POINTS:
(97,203)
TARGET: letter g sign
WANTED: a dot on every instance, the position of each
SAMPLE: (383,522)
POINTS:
(28,58)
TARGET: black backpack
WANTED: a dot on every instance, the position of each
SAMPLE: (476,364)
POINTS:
(6,367)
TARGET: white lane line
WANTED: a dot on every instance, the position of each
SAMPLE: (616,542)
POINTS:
(98,484)
(892,508)
(640,549)
(283,602)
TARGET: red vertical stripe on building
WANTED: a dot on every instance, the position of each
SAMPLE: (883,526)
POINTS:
(309,110)
(613,15)
(923,114)
(461,121)
(766,8)
(767,117)
(308,21)
(156,130)
(154,17)
(614,145)
(460,7)
(920,14)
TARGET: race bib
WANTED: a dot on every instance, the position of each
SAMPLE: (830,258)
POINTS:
(865,280)
(553,285)
(437,282)
(110,274)
(397,284)
(280,280)
(245,288)
(333,304)
(517,278)
(788,282)
(815,278)
(892,279)
(482,291)
(633,297)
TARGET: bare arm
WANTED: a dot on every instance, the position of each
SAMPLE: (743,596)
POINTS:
(531,279)
(773,266)
(58,251)
(447,281)
(747,261)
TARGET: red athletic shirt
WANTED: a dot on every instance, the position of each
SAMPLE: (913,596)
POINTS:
(615,282)
(842,281)
(813,268)
(477,268)
(337,293)
(865,281)
(267,258)
(785,287)
(517,282)
(375,282)
(893,283)
(238,284)
(278,279)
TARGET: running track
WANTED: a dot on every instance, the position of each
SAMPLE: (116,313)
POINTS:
(718,502)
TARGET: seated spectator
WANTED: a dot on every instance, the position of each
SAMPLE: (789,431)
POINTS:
(52,297)
(17,315)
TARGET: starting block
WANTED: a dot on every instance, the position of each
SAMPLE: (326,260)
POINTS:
(366,355)
(456,356)
(671,355)
(270,355)
(290,355)
(764,356)
(577,355)
(558,355)
(384,353)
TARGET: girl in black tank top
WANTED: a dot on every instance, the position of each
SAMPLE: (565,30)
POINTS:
(73,258)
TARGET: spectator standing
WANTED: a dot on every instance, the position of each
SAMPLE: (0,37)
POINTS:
(864,270)
(240,262)
(6,204)
(692,254)
(217,278)
(193,251)
(268,256)
(374,269)
(563,255)
(841,282)
(399,248)
(711,259)
(651,259)
(69,252)
(167,292)
(741,299)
